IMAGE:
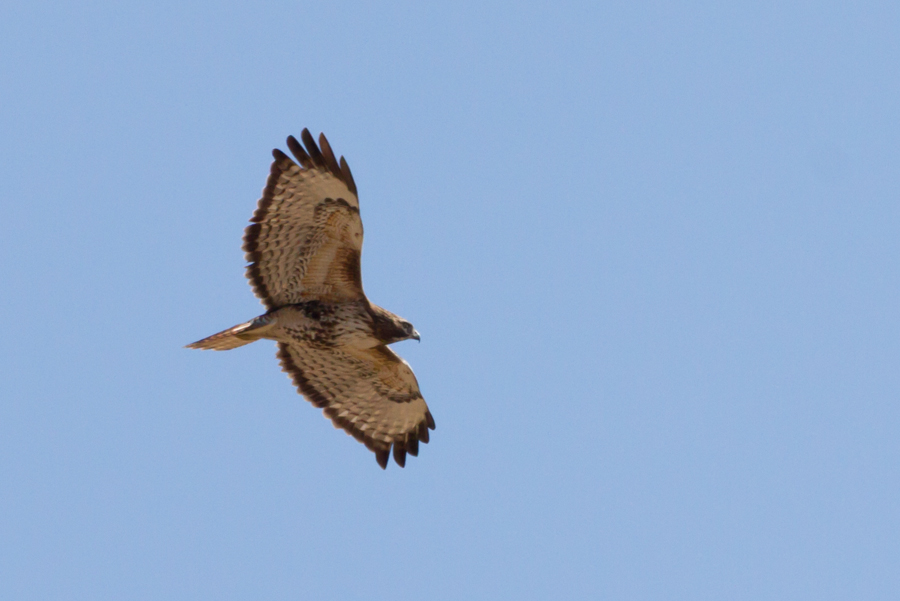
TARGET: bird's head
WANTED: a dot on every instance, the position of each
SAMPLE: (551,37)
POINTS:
(390,328)
(409,331)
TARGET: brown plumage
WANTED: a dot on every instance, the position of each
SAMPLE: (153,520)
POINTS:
(303,246)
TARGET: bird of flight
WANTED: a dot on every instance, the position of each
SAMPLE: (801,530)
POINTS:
(303,246)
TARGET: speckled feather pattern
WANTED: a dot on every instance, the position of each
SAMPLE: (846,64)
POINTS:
(375,400)
(306,238)
(303,246)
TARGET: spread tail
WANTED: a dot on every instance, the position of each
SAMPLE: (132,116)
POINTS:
(239,335)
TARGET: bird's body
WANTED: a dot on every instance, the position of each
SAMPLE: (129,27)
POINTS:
(353,324)
(304,250)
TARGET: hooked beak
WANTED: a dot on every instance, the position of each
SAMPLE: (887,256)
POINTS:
(415,336)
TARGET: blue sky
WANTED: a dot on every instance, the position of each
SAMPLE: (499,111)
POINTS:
(652,250)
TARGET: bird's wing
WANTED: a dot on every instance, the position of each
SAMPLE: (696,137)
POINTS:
(305,238)
(371,393)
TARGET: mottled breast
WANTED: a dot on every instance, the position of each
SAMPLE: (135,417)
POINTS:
(326,324)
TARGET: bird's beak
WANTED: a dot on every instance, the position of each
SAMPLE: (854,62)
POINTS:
(415,336)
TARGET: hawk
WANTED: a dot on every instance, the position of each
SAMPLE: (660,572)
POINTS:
(303,246)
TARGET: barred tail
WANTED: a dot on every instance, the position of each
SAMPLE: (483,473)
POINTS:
(239,335)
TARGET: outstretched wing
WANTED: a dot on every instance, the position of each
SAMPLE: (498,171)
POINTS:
(306,236)
(371,393)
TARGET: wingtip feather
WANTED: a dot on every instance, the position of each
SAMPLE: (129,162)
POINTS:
(298,151)
(400,454)
(314,153)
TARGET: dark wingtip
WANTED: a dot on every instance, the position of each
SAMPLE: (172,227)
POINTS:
(311,157)
(314,153)
(348,175)
(429,419)
(412,444)
(400,454)
(328,153)
(297,150)
(382,457)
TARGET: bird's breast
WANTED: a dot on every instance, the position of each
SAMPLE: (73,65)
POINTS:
(326,324)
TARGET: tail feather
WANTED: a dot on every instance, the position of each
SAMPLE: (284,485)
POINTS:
(239,335)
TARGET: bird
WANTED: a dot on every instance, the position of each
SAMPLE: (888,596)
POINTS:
(303,249)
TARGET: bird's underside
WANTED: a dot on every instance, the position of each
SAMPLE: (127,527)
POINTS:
(304,247)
